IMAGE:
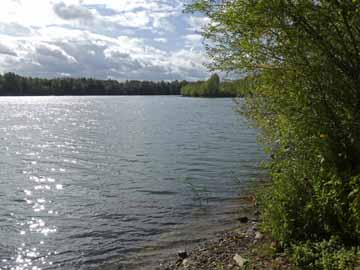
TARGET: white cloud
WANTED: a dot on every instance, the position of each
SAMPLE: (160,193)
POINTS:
(131,5)
(161,23)
(194,38)
(196,23)
(15,29)
(190,64)
(121,39)
(28,13)
(82,53)
(162,40)
(139,19)
(193,42)
(72,12)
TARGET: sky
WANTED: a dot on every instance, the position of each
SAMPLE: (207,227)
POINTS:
(104,39)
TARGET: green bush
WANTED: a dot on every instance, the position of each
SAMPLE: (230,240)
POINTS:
(306,102)
(213,88)
(326,255)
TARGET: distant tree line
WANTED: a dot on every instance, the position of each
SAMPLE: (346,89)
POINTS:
(15,85)
(214,88)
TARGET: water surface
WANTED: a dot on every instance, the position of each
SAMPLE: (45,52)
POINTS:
(92,181)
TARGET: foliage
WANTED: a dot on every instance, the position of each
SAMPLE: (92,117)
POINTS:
(214,88)
(238,88)
(209,88)
(12,84)
(306,55)
(326,255)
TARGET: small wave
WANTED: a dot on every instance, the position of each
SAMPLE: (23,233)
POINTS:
(158,192)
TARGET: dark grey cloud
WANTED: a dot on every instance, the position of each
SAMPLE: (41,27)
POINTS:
(104,59)
(85,54)
(46,54)
(72,12)
(7,51)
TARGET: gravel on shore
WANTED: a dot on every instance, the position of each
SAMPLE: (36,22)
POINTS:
(244,247)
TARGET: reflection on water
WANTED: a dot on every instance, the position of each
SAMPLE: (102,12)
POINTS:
(30,254)
(87,181)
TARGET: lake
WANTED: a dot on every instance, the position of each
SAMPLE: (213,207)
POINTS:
(116,181)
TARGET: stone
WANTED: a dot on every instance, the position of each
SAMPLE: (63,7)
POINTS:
(182,254)
(186,263)
(259,235)
(178,262)
(240,260)
(274,245)
(243,219)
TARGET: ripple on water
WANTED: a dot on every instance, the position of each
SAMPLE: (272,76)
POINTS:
(87,181)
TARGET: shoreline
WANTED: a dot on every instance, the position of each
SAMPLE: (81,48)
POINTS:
(241,217)
(164,250)
(243,247)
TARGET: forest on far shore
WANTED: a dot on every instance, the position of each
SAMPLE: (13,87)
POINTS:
(12,84)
